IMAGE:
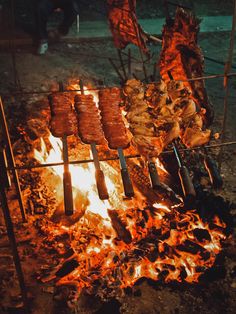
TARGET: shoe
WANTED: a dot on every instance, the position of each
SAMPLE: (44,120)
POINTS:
(42,48)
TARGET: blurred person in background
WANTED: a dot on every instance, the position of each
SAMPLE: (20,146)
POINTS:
(43,9)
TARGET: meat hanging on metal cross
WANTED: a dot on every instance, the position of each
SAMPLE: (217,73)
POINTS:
(182,57)
(124,24)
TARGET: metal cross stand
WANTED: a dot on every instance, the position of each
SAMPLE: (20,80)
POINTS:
(9,152)
(5,183)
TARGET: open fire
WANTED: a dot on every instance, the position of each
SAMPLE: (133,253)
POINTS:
(117,241)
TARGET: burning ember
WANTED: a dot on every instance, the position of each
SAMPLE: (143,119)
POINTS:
(118,241)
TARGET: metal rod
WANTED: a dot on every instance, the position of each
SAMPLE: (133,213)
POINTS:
(78,162)
(154,176)
(212,170)
(209,77)
(154,71)
(122,63)
(95,156)
(12,240)
(177,156)
(67,184)
(139,44)
(117,71)
(127,183)
(5,179)
(228,66)
(99,175)
(129,63)
(185,179)
(11,159)
(213,76)
(65,153)
(12,46)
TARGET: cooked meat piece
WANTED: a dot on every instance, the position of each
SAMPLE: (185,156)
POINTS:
(138,109)
(118,141)
(182,57)
(124,24)
(112,121)
(162,114)
(144,117)
(89,120)
(64,124)
(177,91)
(189,109)
(172,134)
(184,107)
(138,129)
(155,88)
(193,137)
(59,103)
(148,146)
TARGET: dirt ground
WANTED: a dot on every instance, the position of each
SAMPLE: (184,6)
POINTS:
(89,60)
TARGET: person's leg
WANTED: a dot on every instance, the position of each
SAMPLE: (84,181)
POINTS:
(43,8)
(70,9)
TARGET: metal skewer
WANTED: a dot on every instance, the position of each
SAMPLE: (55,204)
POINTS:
(99,175)
(5,179)
(127,183)
(212,170)
(153,174)
(7,143)
(186,181)
(67,183)
(4,184)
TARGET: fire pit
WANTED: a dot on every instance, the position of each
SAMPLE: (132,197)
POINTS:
(108,246)
(138,210)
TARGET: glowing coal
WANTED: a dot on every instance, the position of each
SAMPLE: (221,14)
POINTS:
(118,241)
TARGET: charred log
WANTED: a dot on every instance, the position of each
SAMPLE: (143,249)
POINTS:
(120,227)
(67,267)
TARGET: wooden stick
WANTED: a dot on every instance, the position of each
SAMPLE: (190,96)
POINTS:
(7,142)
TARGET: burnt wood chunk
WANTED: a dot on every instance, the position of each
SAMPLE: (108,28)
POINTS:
(190,247)
(201,234)
(67,267)
(119,226)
